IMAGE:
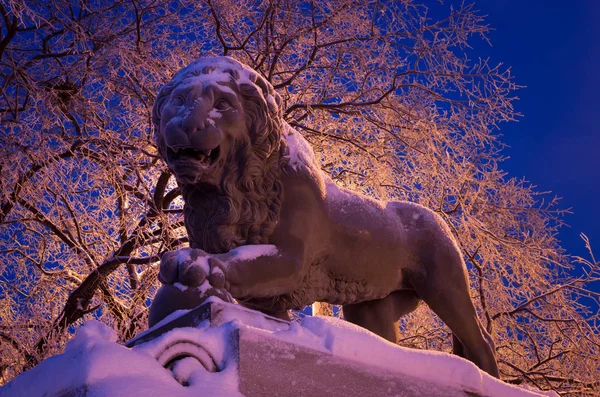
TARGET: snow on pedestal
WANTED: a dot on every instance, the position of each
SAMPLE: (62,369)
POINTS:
(221,349)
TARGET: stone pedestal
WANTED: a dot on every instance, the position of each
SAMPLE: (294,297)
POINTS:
(221,349)
(268,364)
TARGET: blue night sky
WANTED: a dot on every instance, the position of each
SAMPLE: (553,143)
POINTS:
(553,49)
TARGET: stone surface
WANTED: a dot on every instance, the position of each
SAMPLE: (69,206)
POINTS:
(270,367)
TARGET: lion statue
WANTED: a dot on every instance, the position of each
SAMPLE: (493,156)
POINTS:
(265,224)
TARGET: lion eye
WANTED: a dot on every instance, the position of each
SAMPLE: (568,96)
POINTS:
(177,101)
(222,104)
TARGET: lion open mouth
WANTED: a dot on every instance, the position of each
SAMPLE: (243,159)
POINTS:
(202,157)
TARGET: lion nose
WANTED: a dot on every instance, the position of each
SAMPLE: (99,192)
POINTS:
(207,139)
(198,133)
(193,123)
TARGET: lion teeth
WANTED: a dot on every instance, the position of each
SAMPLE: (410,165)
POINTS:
(207,152)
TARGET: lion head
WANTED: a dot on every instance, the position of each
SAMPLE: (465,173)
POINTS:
(218,127)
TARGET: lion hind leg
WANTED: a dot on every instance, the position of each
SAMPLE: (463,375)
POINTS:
(380,316)
(461,351)
(462,321)
(447,294)
(457,347)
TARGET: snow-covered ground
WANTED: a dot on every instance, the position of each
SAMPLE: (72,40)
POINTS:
(93,364)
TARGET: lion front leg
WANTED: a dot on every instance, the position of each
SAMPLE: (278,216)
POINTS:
(258,271)
(251,271)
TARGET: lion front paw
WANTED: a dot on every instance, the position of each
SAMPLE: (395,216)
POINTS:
(191,267)
(190,276)
(187,266)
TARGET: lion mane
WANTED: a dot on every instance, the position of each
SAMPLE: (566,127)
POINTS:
(244,208)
